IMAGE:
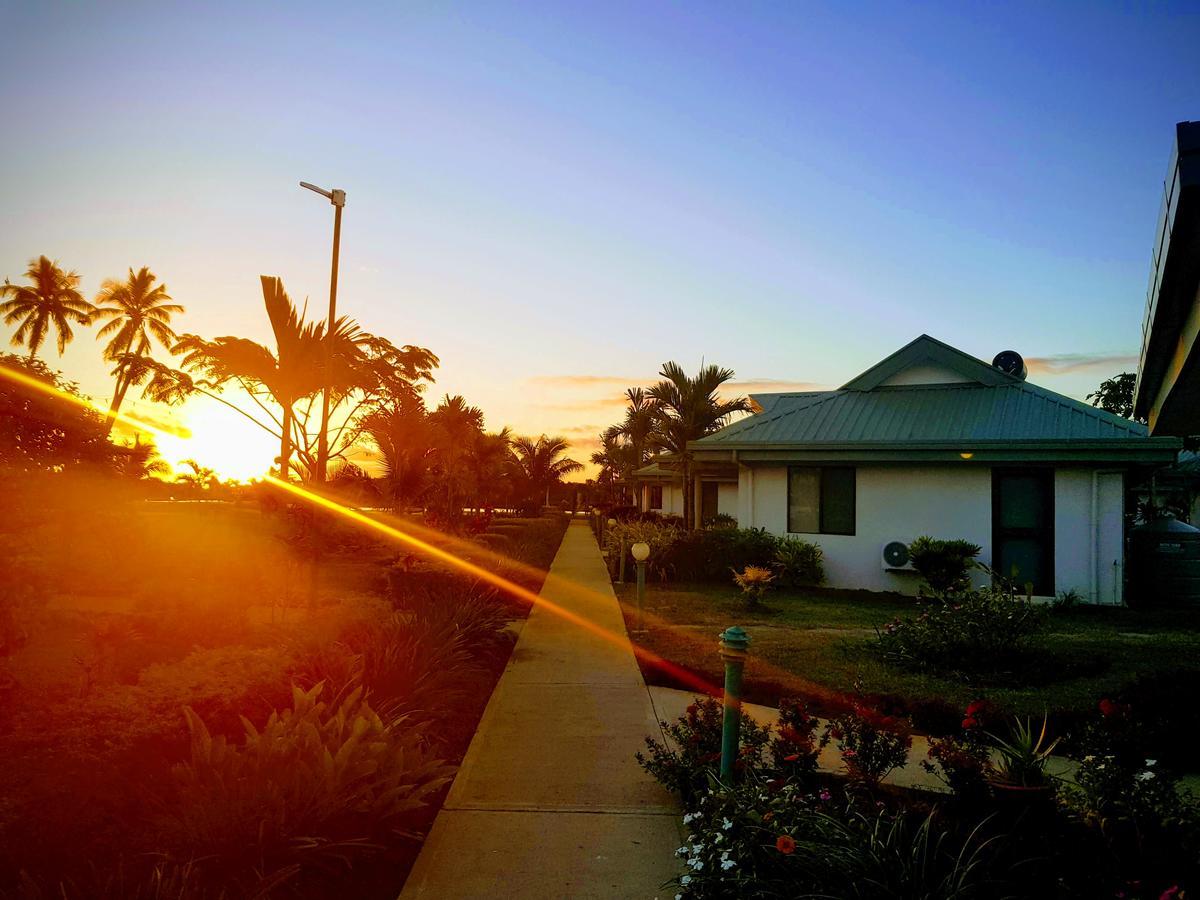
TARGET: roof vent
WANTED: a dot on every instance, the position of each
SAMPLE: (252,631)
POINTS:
(1010,362)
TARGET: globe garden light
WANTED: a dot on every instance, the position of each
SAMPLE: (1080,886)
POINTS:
(612,523)
(640,551)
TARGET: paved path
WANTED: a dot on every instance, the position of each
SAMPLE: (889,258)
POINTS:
(549,801)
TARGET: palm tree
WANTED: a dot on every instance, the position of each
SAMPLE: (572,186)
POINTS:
(610,458)
(51,299)
(292,372)
(539,464)
(641,413)
(137,310)
(688,409)
(487,462)
(407,443)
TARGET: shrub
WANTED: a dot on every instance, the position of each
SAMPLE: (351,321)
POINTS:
(693,750)
(1022,756)
(799,563)
(767,839)
(963,761)
(708,555)
(754,581)
(794,750)
(320,784)
(944,564)
(659,536)
(871,744)
(985,630)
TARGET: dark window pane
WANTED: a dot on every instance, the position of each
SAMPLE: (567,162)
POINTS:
(708,500)
(1024,560)
(656,496)
(1022,505)
(804,500)
(837,500)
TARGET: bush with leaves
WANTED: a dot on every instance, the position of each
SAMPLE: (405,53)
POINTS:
(754,581)
(795,749)
(660,537)
(871,744)
(944,564)
(692,751)
(963,761)
(799,563)
(319,786)
(985,630)
(708,554)
(764,838)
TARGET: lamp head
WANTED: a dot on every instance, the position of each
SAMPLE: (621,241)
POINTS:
(640,551)
(612,522)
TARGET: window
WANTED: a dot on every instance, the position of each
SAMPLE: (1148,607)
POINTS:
(656,496)
(1023,527)
(821,500)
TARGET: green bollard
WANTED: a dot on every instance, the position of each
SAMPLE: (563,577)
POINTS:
(734,645)
(621,576)
(641,552)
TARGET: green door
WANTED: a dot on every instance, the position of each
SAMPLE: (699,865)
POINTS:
(1023,527)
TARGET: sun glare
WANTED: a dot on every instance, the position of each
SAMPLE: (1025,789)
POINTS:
(221,439)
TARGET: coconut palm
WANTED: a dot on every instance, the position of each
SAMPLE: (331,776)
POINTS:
(138,312)
(688,409)
(50,300)
(407,444)
(487,462)
(538,464)
(641,413)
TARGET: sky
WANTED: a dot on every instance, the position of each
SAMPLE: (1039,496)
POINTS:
(558,198)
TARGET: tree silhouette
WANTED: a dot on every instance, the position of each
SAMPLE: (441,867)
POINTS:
(50,300)
(138,311)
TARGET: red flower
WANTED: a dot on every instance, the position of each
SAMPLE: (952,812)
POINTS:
(1107,707)
(792,758)
(785,844)
(849,753)
(975,707)
(970,722)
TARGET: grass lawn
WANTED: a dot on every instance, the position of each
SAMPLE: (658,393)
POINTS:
(820,643)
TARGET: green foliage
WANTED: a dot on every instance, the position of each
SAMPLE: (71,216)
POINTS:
(944,564)
(320,785)
(661,537)
(799,563)
(1116,394)
(1022,756)
(871,744)
(963,761)
(708,555)
(794,751)
(693,749)
(985,630)
(769,839)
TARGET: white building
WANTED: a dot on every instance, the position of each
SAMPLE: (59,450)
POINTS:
(929,441)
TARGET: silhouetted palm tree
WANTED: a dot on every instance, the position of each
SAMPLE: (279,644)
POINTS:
(539,464)
(293,371)
(407,444)
(50,300)
(688,409)
(137,310)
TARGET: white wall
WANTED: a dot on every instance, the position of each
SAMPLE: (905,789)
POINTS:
(899,503)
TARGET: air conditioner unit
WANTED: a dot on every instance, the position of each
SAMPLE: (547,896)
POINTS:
(895,557)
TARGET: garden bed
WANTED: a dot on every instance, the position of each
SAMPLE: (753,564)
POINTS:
(819,643)
(218,610)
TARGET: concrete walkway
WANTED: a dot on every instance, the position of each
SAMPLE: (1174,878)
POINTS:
(549,801)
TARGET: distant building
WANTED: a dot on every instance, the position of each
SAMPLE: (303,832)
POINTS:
(1168,386)
(930,441)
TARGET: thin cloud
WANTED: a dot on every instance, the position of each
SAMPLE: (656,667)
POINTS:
(576,381)
(770,386)
(1065,363)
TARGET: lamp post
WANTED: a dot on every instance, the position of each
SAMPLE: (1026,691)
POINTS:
(734,646)
(641,553)
(338,198)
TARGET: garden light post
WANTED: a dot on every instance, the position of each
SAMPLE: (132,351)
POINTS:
(338,198)
(610,524)
(734,645)
(641,553)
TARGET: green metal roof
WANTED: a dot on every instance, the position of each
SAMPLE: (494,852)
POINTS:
(993,410)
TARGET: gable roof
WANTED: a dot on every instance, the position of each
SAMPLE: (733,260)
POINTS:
(989,410)
(925,350)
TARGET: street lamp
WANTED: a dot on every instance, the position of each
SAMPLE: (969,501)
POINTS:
(641,553)
(338,198)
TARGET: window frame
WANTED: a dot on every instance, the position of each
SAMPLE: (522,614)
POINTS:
(822,527)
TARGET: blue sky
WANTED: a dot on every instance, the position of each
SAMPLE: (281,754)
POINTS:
(557,198)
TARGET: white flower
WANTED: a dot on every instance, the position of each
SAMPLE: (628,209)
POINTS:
(679,896)
(727,864)
(726,824)
(686,879)
(690,818)
(1086,759)
(718,838)
(1151,762)
(682,851)
(1144,776)
(696,864)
